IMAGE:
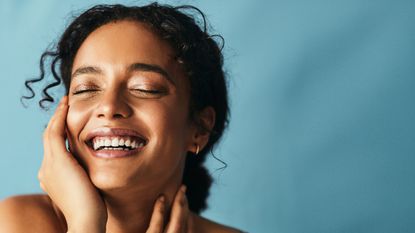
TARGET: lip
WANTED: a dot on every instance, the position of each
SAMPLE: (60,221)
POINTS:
(108,132)
(113,132)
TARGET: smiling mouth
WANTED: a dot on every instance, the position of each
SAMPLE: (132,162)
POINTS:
(116,143)
(113,143)
(115,147)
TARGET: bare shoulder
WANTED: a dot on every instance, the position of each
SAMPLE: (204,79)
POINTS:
(207,226)
(28,213)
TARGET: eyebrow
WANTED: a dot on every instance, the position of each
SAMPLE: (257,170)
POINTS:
(87,70)
(132,68)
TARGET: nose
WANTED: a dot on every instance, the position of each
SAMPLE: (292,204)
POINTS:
(112,105)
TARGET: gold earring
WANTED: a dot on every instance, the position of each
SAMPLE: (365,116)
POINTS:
(197,149)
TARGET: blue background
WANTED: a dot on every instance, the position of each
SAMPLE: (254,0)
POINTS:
(322,93)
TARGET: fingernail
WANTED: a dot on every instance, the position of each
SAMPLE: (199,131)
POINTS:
(183,198)
(162,199)
(183,188)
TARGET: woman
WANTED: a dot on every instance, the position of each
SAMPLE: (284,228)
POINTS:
(146,101)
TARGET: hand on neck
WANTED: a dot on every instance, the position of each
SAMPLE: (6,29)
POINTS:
(130,210)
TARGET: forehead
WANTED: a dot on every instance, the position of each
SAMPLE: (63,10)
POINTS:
(119,44)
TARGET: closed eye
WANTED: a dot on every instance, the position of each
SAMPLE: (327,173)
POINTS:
(149,91)
(82,91)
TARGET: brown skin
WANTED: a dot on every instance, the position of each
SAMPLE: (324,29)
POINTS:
(138,193)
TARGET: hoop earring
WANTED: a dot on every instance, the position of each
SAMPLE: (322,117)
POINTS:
(197,149)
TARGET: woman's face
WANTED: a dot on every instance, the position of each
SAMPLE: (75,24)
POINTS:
(127,86)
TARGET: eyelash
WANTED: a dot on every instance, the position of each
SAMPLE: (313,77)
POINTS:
(83,91)
(149,91)
(152,92)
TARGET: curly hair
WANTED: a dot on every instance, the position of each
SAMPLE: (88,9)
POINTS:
(195,49)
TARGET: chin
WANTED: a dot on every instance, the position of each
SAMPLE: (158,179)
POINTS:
(106,181)
(107,175)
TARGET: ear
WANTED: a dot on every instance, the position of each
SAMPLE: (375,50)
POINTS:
(204,123)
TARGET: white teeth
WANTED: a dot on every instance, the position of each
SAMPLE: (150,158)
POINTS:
(114,142)
(128,142)
(96,145)
(107,142)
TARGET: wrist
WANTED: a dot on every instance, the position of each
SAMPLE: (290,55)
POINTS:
(87,226)
(90,228)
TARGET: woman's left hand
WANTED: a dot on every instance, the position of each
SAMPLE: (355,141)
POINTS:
(181,220)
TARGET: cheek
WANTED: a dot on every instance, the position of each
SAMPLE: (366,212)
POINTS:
(76,119)
(169,125)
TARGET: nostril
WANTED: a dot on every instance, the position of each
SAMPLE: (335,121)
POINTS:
(118,115)
(115,115)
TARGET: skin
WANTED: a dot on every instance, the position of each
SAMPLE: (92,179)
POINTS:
(137,193)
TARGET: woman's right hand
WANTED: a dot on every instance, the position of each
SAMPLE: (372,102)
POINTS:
(181,218)
(66,182)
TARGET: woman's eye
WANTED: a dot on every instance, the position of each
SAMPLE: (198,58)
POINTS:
(148,92)
(82,91)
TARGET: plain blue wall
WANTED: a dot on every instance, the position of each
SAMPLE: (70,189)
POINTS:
(322,135)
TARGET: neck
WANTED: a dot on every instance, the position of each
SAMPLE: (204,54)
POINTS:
(131,210)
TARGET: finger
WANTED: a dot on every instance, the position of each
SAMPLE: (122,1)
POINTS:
(56,129)
(51,122)
(55,123)
(157,218)
(61,103)
(51,127)
(179,213)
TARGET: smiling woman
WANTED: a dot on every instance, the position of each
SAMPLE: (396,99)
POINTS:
(146,100)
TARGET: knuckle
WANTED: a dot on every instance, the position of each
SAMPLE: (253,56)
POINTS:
(42,186)
(161,210)
(40,176)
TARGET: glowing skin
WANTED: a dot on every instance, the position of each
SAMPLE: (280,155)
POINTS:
(114,96)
